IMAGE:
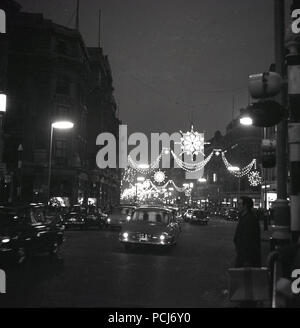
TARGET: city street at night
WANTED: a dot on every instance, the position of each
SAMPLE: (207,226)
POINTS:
(96,271)
(149,155)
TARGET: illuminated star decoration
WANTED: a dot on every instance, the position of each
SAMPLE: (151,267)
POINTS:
(192,143)
(254,178)
(159,176)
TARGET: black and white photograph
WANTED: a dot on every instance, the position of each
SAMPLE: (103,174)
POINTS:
(149,157)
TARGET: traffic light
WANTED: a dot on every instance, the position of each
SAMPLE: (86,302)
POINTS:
(268,149)
(265,112)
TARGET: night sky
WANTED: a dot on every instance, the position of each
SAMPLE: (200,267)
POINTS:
(175,59)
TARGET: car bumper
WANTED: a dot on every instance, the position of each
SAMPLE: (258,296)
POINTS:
(152,242)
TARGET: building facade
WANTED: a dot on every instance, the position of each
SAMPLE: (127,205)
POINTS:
(50,78)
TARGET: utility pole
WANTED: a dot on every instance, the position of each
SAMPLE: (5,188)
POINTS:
(293,63)
(281,233)
(99,30)
(77,15)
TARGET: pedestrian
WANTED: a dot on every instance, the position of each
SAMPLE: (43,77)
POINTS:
(247,236)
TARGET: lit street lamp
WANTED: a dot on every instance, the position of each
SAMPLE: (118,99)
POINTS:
(60,125)
(2,102)
(246,120)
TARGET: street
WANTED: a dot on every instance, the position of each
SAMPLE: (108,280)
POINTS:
(94,270)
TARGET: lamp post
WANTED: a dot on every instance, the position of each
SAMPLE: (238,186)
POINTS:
(60,125)
(236,169)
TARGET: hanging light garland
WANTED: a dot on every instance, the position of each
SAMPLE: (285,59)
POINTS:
(241,172)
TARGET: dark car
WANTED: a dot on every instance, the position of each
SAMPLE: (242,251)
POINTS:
(199,217)
(27,231)
(232,215)
(119,216)
(150,226)
(95,220)
(75,220)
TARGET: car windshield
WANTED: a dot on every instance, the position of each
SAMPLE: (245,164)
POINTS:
(73,214)
(199,213)
(151,216)
(126,211)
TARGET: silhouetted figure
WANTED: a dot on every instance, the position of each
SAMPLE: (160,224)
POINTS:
(247,236)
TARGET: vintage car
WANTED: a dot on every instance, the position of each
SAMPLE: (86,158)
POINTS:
(188,214)
(26,231)
(119,216)
(95,220)
(75,220)
(150,226)
(199,217)
(232,214)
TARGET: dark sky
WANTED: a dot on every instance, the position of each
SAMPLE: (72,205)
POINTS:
(172,58)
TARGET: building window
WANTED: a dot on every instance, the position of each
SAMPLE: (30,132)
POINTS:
(60,151)
(62,110)
(63,85)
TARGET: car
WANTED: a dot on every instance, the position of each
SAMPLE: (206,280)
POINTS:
(188,214)
(26,231)
(232,214)
(75,220)
(199,217)
(119,216)
(95,220)
(150,226)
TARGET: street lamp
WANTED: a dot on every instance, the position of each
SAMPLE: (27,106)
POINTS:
(246,121)
(236,169)
(2,102)
(60,125)
(143,166)
(233,169)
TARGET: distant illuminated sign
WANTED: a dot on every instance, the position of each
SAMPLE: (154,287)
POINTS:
(2,21)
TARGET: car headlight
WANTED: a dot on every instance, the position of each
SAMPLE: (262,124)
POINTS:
(125,235)
(5,240)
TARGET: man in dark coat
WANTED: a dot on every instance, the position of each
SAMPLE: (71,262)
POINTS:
(247,236)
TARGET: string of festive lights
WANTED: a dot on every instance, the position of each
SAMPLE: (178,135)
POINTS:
(238,172)
(189,167)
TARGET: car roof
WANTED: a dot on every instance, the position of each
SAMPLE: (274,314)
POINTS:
(154,208)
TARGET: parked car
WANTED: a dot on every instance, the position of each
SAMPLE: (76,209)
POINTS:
(95,220)
(75,220)
(150,226)
(232,214)
(26,231)
(119,216)
(188,214)
(199,217)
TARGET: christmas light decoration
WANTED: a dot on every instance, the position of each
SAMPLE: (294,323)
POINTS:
(241,172)
(192,143)
(159,176)
(254,178)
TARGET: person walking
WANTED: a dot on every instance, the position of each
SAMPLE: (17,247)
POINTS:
(247,236)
